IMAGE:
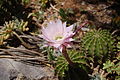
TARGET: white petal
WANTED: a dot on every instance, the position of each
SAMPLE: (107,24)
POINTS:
(56,45)
(69,46)
(64,26)
(55,28)
(68,29)
(71,39)
(59,27)
(47,35)
(85,29)
(48,32)
(44,37)
(61,48)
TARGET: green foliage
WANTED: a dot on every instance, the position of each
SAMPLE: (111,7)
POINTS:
(21,25)
(117,78)
(50,53)
(39,15)
(75,56)
(66,14)
(25,1)
(10,27)
(97,43)
(118,44)
(43,3)
(113,67)
(97,77)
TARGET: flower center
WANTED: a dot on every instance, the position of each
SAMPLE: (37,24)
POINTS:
(58,37)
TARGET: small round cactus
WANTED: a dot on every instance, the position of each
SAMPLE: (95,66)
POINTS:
(97,42)
(76,57)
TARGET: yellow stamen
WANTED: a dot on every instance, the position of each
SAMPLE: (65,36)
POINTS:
(58,37)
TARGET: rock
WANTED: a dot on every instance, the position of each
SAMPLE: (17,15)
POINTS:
(13,70)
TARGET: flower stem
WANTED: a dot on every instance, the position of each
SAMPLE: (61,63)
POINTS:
(66,56)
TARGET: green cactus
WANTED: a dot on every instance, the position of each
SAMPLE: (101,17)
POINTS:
(97,43)
(118,43)
(21,25)
(9,28)
(113,67)
(76,57)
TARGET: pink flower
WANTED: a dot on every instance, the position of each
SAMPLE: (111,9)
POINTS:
(57,34)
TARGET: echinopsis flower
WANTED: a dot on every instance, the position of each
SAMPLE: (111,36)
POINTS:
(57,34)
